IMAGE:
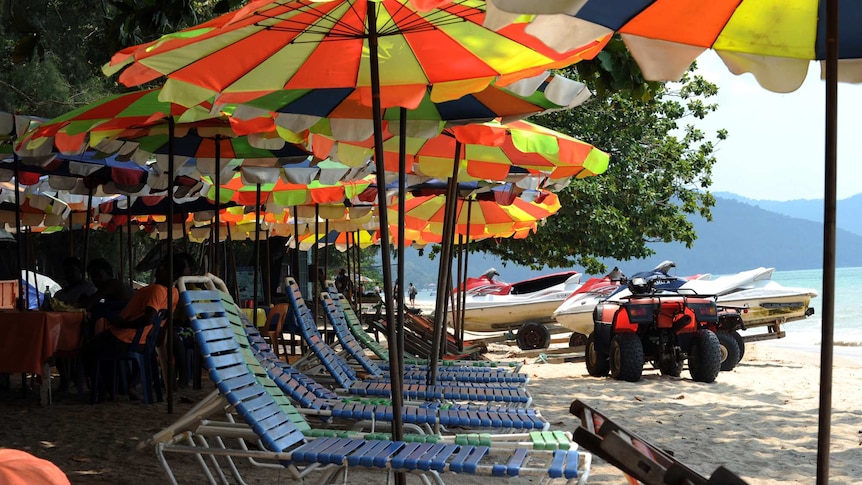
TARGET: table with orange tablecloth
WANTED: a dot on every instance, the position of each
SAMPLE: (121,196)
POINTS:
(29,339)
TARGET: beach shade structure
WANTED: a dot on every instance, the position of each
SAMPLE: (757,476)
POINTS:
(348,112)
(488,151)
(78,174)
(485,216)
(775,39)
(270,46)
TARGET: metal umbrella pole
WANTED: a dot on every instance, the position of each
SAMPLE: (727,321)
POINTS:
(443,280)
(169,328)
(256,251)
(21,302)
(464,280)
(217,179)
(824,427)
(392,335)
(402,189)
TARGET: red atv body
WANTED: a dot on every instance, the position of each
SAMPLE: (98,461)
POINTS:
(659,327)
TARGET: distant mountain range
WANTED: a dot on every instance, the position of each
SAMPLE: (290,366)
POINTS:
(744,234)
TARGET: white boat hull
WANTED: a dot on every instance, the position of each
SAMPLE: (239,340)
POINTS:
(764,309)
(495,318)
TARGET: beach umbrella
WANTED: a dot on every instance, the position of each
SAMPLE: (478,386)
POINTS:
(773,39)
(488,151)
(268,46)
(347,111)
(484,217)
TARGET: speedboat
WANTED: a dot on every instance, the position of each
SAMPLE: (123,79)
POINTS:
(576,312)
(492,305)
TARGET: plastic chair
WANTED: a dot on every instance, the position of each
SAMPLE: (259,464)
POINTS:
(144,356)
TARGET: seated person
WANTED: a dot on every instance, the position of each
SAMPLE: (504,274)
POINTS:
(140,312)
(111,294)
(76,287)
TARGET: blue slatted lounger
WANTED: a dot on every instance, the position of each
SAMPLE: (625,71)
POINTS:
(346,377)
(335,315)
(381,352)
(281,431)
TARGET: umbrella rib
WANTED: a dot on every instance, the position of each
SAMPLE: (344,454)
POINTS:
(339,30)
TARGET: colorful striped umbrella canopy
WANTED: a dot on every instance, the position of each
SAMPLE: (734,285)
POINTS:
(284,193)
(79,173)
(484,217)
(489,151)
(773,39)
(272,45)
(349,111)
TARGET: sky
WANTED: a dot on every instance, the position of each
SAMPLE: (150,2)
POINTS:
(775,146)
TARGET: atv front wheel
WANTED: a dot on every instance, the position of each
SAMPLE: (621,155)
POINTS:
(577,339)
(704,357)
(627,357)
(597,362)
(729,350)
(533,335)
(670,368)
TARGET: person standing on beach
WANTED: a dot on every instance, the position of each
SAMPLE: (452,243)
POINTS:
(411,293)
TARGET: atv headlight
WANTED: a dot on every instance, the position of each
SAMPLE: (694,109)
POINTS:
(638,285)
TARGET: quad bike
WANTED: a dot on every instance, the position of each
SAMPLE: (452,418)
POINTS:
(652,325)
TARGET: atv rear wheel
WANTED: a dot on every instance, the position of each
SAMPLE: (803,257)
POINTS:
(533,335)
(627,357)
(597,362)
(704,357)
(729,350)
(740,342)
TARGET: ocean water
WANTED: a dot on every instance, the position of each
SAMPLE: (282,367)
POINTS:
(848,307)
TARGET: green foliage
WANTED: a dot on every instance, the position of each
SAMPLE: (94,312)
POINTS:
(661,168)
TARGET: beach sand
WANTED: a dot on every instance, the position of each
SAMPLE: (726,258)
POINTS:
(759,420)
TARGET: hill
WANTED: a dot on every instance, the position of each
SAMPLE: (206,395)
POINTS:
(741,236)
(810,209)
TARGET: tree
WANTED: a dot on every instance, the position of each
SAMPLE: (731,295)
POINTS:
(659,172)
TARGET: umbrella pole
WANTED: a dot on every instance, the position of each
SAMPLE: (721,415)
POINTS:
(122,274)
(402,193)
(830,206)
(392,336)
(86,227)
(129,240)
(21,302)
(296,242)
(443,281)
(215,264)
(169,327)
(458,323)
(463,294)
(267,273)
(256,271)
(326,252)
(315,287)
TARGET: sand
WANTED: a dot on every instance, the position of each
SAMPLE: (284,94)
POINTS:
(759,420)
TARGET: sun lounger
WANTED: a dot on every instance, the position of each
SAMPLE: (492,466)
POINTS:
(282,435)
(335,316)
(347,378)
(635,456)
(355,326)
(313,398)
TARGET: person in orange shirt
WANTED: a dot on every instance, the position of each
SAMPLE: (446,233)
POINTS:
(140,312)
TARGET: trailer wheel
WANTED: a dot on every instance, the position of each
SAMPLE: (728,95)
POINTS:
(533,335)
(577,339)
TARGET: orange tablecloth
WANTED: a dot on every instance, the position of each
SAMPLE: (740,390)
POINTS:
(29,339)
